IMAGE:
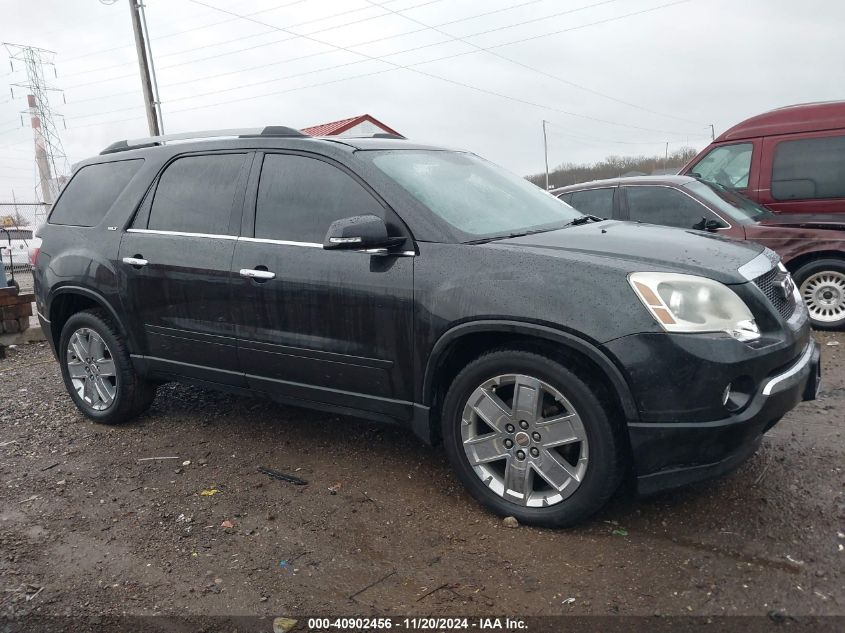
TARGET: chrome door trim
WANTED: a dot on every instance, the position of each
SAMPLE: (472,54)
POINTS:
(369,251)
(215,236)
(262,240)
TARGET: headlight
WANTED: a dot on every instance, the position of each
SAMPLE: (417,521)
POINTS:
(688,303)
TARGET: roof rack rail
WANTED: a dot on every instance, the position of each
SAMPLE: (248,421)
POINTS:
(270,131)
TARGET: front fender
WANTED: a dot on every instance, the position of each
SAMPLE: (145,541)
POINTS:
(566,339)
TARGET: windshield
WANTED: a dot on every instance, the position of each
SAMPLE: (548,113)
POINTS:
(728,201)
(476,197)
(727,165)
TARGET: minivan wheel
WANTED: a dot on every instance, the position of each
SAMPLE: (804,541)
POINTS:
(98,372)
(530,439)
(822,286)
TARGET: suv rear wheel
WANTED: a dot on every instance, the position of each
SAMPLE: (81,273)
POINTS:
(530,439)
(822,286)
(98,372)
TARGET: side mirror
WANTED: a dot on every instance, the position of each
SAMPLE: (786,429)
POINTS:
(708,225)
(359,232)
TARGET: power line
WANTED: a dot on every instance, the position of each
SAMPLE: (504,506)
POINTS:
(334,49)
(612,141)
(528,67)
(476,88)
(175,33)
(411,67)
(249,48)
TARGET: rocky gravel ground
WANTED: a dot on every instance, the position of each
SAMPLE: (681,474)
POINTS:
(170,515)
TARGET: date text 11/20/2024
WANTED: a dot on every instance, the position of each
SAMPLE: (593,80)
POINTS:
(417,624)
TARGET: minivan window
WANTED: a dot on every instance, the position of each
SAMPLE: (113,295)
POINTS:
(478,198)
(727,165)
(92,191)
(300,197)
(809,168)
(598,202)
(195,194)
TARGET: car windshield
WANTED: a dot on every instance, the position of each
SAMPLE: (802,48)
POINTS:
(476,197)
(735,205)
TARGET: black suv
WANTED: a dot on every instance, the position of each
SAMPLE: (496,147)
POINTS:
(550,352)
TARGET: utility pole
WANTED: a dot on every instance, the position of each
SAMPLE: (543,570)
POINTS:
(712,132)
(546,153)
(149,86)
(50,158)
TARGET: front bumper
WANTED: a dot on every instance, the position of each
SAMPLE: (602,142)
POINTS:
(668,454)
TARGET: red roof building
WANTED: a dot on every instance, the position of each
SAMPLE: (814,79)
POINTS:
(363,125)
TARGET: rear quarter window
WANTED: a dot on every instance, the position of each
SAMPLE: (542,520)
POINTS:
(92,191)
(809,168)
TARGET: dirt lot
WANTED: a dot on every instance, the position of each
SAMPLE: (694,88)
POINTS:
(87,527)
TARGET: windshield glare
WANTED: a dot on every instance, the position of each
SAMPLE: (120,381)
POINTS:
(474,196)
(735,205)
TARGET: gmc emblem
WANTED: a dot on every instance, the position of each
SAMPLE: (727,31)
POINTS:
(786,286)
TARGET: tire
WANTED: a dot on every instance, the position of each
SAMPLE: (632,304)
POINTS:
(600,453)
(131,394)
(822,286)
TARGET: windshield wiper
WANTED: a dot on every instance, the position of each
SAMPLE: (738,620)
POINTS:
(583,220)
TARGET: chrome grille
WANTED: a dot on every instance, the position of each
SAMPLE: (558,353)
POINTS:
(770,284)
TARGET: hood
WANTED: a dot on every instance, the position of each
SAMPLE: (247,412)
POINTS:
(824,221)
(644,247)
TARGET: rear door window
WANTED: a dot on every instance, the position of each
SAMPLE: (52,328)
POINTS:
(92,191)
(195,194)
(666,206)
(300,197)
(728,165)
(809,168)
(597,202)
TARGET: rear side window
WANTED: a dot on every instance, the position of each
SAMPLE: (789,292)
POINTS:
(195,194)
(727,165)
(809,168)
(92,191)
(299,198)
(597,202)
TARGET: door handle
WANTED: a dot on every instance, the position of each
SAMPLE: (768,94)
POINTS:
(138,262)
(258,275)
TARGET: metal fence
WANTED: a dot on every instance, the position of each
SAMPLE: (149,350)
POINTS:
(18,223)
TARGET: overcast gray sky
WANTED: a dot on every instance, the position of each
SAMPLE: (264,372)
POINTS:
(612,77)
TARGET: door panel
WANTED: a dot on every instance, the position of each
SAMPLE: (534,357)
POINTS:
(178,283)
(181,299)
(328,326)
(335,321)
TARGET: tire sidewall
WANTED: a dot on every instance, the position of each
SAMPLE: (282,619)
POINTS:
(92,322)
(601,477)
(811,268)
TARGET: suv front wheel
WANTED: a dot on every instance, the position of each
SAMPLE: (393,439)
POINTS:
(98,372)
(530,439)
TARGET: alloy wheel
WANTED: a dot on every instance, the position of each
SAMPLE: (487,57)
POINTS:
(91,369)
(524,440)
(824,294)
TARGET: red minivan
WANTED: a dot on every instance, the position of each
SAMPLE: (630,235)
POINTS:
(792,160)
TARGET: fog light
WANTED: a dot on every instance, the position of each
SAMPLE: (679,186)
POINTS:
(726,395)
